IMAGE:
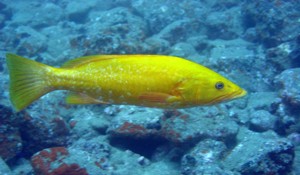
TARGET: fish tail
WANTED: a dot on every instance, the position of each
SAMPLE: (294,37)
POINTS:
(27,80)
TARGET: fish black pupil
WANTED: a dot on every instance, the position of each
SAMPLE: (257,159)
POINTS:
(219,85)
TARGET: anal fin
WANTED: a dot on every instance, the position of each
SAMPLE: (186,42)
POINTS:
(81,98)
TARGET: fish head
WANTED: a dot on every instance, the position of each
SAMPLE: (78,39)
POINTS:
(217,89)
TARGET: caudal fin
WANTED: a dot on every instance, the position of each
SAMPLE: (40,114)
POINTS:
(27,80)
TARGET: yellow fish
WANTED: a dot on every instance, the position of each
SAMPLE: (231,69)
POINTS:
(143,80)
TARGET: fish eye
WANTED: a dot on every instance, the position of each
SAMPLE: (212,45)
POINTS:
(219,85)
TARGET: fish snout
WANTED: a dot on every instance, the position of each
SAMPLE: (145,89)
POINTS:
(239,93)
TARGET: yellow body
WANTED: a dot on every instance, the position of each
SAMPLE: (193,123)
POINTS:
(144,80)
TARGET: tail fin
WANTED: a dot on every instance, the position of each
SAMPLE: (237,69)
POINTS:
(27,80)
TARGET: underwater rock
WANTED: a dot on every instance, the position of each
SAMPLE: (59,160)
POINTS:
(116,30)
(223,4)
(87,122)
(279,56)
(21,166)
(40,132)
(297,162)
(139,134)
(59,49)
(132,130)
(2,20)
(159,14)
(224,24)
(178,31)
(10,139)
(52,161)
(100,124)
(268,101)
(31,42)
(4,169)
(294,138)
(201,44)
(264,154)
(128,122)
(262,120)
(268,104)
(10,142)
(185,50)
(105,159)
(204,158)
(289,84)
(78,11)
(39,15)
(189,128)
(2,6)
(95,147)
(270,22)
(82,158)
(155,45)
(295,52)
(178,127)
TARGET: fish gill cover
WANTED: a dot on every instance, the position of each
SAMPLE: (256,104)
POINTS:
(255,44)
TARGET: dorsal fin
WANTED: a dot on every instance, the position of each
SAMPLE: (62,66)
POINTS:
(87,59)
(94,58)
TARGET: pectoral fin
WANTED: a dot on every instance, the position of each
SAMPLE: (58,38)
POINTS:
(81,98)
(157,97)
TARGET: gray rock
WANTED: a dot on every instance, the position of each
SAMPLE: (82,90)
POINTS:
(156,45)
(96,147)
(118,21)
(129,123)
(116,30)
(100,124)
(294,138)
(297,160)
(186,51)
(268,101)
(160,14)
(39,132)
(10,136)
(31,42)
(262,120)
(78,11)
(279,56)
(36,17)
(230,49)
(267,19)
(177,31)
(127,162)
(260,154)
(4,169)
(89,121)
(183,127)
(222,3)
(289,85)
(204,158)
(61,160)
(59,49)
(225,24)
(22,166)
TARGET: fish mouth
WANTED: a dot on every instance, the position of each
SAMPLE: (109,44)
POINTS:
(227,97)
(239,93)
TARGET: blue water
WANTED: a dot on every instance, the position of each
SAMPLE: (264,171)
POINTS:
(255,44)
